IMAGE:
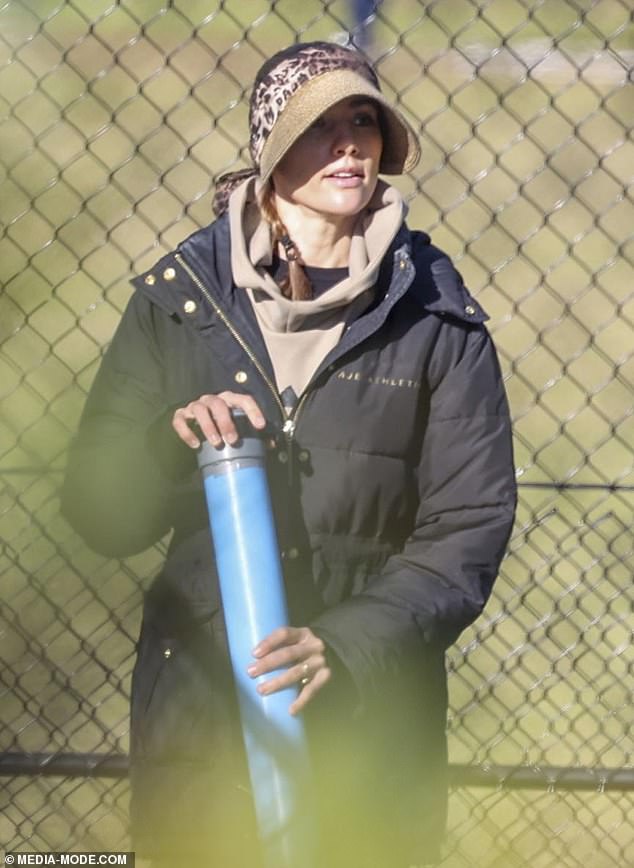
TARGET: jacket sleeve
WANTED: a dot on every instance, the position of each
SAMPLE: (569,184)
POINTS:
(440,580)
(118,493)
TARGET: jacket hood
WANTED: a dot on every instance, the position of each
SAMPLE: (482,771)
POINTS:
(252,251)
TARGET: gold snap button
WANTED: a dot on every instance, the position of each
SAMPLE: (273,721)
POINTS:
(189,306)
(150,280)
(167,653)
(304,455)
(292,554)
(282,457)
(169,273)
(470,310)
(241,377)
(402,264)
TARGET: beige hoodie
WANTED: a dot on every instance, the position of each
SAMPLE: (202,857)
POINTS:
(300,334)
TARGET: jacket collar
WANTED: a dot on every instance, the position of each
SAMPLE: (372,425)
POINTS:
(439,287)
(171,283)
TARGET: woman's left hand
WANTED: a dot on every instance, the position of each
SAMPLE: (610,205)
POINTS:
(303,657)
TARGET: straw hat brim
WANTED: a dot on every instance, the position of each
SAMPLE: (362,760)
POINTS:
(401,151)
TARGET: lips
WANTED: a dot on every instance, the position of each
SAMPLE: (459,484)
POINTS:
(346,174)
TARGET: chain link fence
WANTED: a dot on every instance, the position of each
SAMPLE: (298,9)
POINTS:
(116,116)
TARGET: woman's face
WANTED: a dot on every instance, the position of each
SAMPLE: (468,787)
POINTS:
(332,168)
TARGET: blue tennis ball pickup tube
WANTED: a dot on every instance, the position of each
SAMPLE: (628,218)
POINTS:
(254,604)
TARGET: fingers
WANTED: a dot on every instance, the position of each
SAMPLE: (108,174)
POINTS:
(310,689)
(310,680)
(301,657)
(212,415)
(283,637)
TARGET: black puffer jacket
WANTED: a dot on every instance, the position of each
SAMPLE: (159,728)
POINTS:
(394,493)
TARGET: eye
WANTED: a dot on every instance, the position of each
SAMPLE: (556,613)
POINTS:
(366,118)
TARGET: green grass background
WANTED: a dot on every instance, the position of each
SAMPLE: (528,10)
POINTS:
(116,118)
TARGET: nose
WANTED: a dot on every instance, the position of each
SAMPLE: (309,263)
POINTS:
(345,140)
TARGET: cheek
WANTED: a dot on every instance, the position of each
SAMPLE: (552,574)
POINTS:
(300,166)
(377,149)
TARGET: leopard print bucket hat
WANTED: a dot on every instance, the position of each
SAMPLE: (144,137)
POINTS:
(296,86)
(299,84)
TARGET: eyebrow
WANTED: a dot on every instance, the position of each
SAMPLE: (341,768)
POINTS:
(357,101)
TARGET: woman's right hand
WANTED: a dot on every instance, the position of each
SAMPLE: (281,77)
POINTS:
(212,414)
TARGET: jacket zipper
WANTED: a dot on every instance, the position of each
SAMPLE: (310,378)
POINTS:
(236,334)
(289,432)
(290,422)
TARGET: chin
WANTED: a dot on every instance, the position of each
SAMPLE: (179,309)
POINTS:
(344,206)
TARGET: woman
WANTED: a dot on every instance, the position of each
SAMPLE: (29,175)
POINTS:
(353,345)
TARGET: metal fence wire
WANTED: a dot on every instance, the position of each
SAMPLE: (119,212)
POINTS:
(116,116)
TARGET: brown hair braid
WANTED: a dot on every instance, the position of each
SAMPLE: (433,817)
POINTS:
(296,286)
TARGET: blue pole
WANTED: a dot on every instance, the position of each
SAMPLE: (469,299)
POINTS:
(363,15)
(254,604)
